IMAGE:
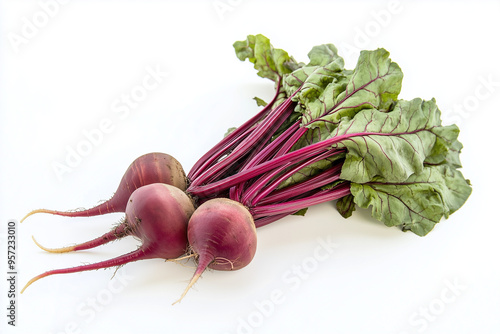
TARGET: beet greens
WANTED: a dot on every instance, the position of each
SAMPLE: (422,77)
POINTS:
(331,133)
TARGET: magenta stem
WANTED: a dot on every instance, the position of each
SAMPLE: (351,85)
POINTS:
(261,134)
(324,178)
(295,205)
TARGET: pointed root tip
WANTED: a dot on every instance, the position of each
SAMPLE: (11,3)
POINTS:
(35,211)
(178,259)
(75,213)
(54,250)
(34,279)
(191,283)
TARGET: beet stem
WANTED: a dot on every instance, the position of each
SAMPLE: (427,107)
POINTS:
(259,189)
(326,177)
(201,164)
(253,142)
(259,222)
(292,157)
(320,196)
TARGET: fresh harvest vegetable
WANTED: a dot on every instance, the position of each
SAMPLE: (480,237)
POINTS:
(329,133)
(157,214)
(222,236)
(149,168)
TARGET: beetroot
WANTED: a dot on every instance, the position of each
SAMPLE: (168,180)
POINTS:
(222,236)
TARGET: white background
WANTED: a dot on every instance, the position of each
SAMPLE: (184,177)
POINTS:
(65,67)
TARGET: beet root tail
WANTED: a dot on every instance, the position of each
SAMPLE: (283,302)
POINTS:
(191,283)
(54,250)
(38,211)
(139,254)
(118,232)
(203,263)
(101,209)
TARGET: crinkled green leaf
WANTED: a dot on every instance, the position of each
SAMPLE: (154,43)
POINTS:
(418,203)
(447,148)
(400,160)
(374,83)
(346,206)
(316,87)
(325,66)
(269,62)
(323,78)
(311,81)
(453,155)
(392,144)
(321,55)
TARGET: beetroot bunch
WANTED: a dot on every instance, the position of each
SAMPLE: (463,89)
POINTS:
(329,133)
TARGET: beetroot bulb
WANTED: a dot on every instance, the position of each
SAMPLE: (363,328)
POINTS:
(222,236)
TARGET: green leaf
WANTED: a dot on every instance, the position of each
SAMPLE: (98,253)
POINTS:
(418,203)
(447,148)
(316,87)
(260,102)
(269,62)
(401,161)
(375,83)
(322,78)
(453,156)
(321,55)
(301,212)
(392,144)
(323,68)
(346,206)
(229,131)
